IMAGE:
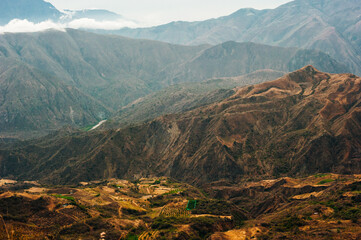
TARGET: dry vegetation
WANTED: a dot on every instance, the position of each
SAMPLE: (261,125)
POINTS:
(322,206)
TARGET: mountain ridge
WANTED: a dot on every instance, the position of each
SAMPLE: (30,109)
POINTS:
(115,71)
(277,128)
(304,24)
(35,11)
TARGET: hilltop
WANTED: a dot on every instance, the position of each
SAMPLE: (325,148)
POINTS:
(303,123)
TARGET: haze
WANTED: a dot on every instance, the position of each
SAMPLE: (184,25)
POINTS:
(163,11)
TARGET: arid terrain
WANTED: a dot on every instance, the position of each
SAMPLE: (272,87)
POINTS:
(243,126)
(322,206)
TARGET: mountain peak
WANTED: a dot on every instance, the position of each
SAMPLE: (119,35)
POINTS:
(309,69)
(35,11)
(307,74)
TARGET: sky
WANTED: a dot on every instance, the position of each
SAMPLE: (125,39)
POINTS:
(155,12)
(139,13)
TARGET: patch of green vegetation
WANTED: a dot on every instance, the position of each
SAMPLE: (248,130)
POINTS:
(72,199)
(174,191)
(319,175)
(87,128)
(192,204)
(156,182)
(132,236)
(324,181)
(343,210)
(349,213)
(98,195)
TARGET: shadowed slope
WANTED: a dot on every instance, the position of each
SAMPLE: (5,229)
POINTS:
(31,100)
(115,71)
(302,123)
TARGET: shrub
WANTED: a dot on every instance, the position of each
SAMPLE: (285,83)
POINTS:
(156,182)
(352,213)
(288,223)
(203,225)
(325,181)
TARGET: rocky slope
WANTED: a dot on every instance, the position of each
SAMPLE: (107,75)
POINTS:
(184,97)
(303,123)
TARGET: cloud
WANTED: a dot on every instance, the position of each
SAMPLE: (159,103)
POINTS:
(17,25)
(87,23)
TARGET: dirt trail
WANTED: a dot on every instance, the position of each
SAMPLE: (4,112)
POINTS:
(98,125)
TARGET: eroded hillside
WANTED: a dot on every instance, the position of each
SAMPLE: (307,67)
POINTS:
(303,123)
(317,207)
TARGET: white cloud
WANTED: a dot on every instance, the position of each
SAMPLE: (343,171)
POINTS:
(106,25)
(17,25)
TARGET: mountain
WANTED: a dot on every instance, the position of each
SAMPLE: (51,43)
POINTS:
(182,97)
(114,71)
(34,11)
(300,124)
(322,206)
(40,10)
(96,14)
(332,26)
(232,59)
(34,101)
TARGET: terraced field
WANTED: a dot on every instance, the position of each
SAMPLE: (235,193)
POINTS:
(317,207)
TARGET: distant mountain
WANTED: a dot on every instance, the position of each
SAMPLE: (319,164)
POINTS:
(32,10)
(112,69)
(115,71)
(232,59)
(300,124)
(34,101)
(96,14)
(184,97)
(332,26)
(40,10)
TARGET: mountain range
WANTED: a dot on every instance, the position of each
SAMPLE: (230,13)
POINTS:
(245,126)
(39,10)
(332,26)
(95,75)
(95,14)
(302,123)
(34,11)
